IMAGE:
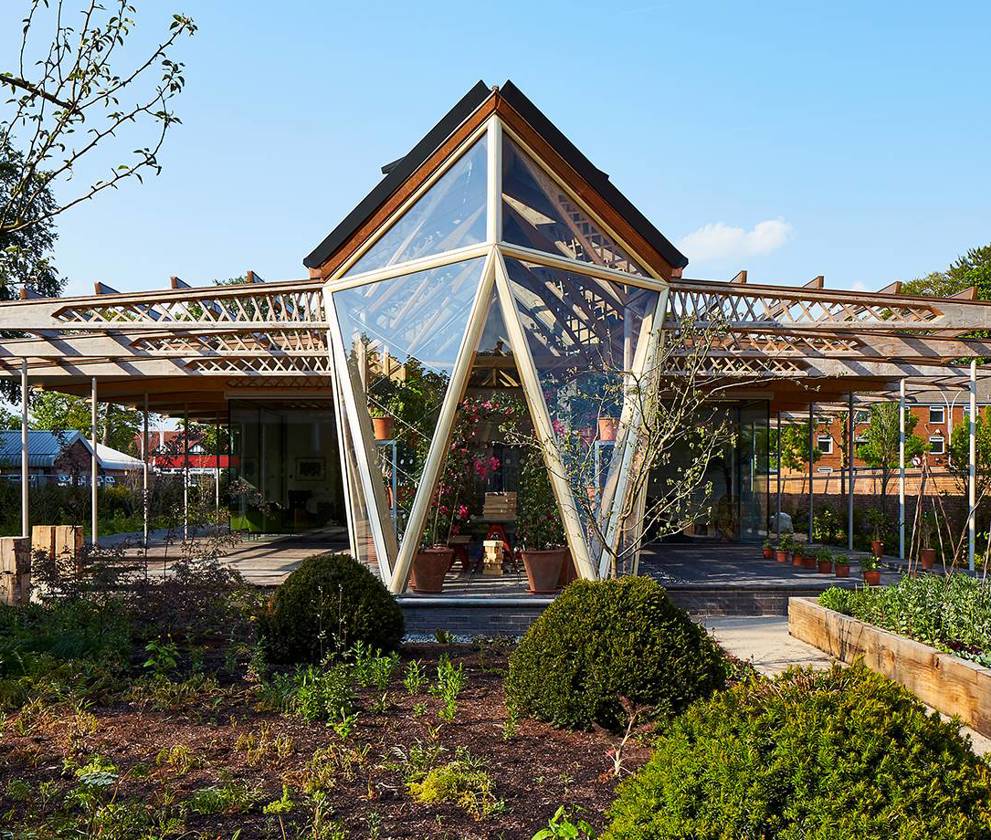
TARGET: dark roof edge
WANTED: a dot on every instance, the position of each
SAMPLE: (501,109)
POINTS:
(597,179)
(402,170)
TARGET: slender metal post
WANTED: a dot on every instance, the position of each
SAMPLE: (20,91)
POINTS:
(972,472)
(25,476)
(185,475)
(850,484)
(777,522)
(901,469)
(812,440)
(93,468)
(144,473)
(216,470)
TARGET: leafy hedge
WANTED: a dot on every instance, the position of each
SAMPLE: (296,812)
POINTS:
(327,605)
(842,753)
(601,641)
(952,612)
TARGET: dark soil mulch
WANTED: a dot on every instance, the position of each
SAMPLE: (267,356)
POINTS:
(534,771)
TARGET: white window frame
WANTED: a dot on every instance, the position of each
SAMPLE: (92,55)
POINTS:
(942,415)
(819,441)
(942,445)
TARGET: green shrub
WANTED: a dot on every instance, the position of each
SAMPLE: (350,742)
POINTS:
(840,753)
(951,612)
(605,640)
(327,605)
(463,782)
(313,693)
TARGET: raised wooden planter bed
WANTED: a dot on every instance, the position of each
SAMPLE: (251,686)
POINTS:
(947,683)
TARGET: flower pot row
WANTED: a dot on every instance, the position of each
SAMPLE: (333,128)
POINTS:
(822,560)
(546,571)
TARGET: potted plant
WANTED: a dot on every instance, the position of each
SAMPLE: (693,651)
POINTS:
(877,520)
(768,549)
(538,526)
(841,566)
(928,554)
(782,552)
(824,561)
(382,423)
(608,427)
(435,557)
(797,554)
(871,568)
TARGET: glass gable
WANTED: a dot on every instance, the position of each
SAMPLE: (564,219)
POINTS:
(537,213)
(449,215)
(401,339)
(583,334)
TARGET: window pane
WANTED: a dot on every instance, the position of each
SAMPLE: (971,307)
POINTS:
(538,214)
(583,334)
(401,339)
(451,214)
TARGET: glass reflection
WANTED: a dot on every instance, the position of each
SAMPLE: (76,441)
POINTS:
(401,339)
(537,213)
(451,214)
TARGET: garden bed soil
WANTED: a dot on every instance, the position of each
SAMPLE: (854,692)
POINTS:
(535,770)
(947,683)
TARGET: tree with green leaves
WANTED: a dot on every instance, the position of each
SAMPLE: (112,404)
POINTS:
(972,269)
(116,426)
(880,446)
(959,461)
(79,89)
(795,444)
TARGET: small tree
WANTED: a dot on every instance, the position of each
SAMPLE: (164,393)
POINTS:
(70,95)
(796,444)
(959,461)
(880,448)
(116,426)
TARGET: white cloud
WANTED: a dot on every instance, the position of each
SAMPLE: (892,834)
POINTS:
(719,241)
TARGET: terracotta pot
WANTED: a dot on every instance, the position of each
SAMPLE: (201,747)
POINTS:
(928,557)
(781,555)
(797,559)
(842,570)
(808,561)
(429,567)
(873,577)
(568,572)
(767,552)
(543,569)
(824,566)
(877,548)
(607,428)
(382,427)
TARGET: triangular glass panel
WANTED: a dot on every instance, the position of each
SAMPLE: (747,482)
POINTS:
(475,504)
(537,213)
(583,334)
(401,339)
(449,215)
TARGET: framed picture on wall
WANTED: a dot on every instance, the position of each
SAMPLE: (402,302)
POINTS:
(310,469)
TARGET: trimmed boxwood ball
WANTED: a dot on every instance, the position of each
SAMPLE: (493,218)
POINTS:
(841,753)
(600,641)
(330,602)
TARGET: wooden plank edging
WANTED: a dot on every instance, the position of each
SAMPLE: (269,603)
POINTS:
(945,682)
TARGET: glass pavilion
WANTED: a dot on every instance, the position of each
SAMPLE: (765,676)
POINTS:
(493,281)
(493,296)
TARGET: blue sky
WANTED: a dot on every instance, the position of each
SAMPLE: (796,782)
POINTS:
(794,139)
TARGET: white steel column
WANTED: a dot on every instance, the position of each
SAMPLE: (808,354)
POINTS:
(777,521)
(93,467)
(25,476)
(494,180)
(185,474)
(216,472)
(850,483)
(901,469)
(812,441)
(972,471)
(144,472)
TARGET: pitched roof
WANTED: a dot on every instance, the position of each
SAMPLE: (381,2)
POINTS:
(44,447)
(400,170)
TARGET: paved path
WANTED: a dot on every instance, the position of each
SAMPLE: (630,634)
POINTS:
(764,641)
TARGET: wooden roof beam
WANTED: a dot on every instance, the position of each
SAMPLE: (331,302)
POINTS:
(817,282)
